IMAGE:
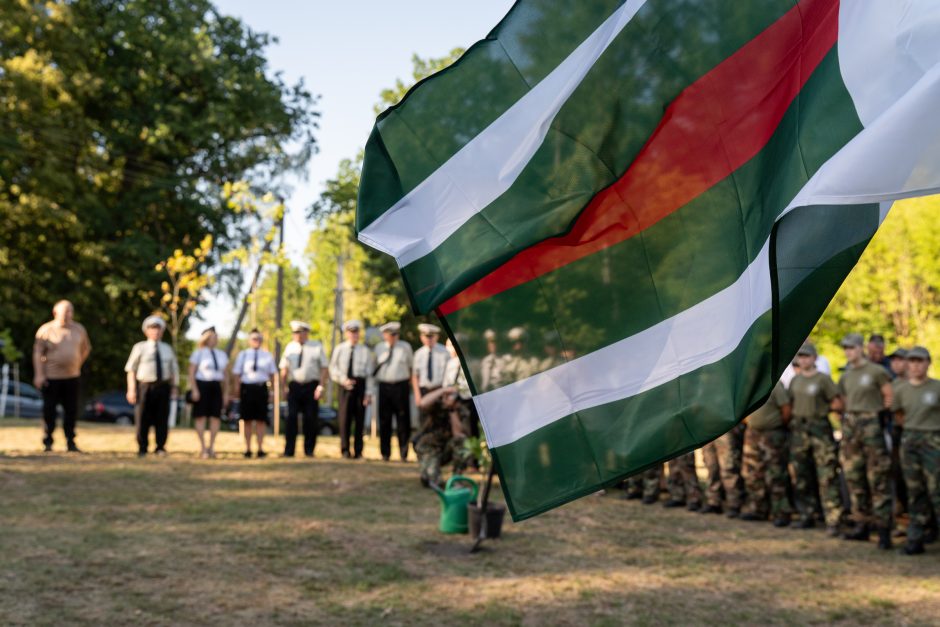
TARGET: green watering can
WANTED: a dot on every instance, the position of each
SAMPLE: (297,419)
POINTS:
(454,501)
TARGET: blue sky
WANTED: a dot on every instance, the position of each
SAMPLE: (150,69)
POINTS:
(348,52)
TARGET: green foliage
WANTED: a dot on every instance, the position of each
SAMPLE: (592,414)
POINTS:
(120,120)
(895,288)
(420,69)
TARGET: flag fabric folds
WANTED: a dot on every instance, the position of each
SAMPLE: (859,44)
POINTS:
(650,203)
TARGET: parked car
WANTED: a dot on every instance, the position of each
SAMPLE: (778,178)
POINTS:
(329,420)
(26,404)
(109,407)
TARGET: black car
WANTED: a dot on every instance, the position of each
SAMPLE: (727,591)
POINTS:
(329,422)
(109,407)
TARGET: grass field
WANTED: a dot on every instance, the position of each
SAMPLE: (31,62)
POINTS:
(106,538)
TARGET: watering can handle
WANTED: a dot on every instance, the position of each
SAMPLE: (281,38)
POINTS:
(462,479)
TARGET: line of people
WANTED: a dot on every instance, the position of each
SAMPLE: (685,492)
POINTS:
(889,412)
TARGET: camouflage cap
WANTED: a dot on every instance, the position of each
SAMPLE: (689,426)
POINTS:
(900,353)
(919,352)
(807,349)
(852,340)
(516,334)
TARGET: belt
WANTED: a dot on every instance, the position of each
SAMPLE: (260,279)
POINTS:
(305,382)
(862,414)
(262,384)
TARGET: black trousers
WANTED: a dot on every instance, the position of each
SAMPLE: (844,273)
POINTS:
(352,413)
(300,401)
(152,410)
(394,403)
(62,392)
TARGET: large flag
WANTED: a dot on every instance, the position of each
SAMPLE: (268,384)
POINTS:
(649,203)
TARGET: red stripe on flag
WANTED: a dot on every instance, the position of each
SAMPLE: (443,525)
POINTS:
(711,129)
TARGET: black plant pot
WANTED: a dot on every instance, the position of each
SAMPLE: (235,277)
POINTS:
(495,512)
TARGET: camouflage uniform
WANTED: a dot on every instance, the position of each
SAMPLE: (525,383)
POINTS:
(865,458)
(436,444)
(920,451)
(723,458)
(683,482)
(765,458)
(646,483)
(813,448)
(517,366)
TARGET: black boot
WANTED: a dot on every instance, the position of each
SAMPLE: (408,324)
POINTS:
(860,533)
(632,496)
(649,500)
(912,548)
(805,523)
(711,509)
(782,521)
(733,512)
(674,503)
(884,538)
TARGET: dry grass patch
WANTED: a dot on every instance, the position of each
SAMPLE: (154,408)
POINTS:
(106,538)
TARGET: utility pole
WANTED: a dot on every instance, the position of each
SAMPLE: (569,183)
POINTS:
(278,321)
(337,315)
(244,308)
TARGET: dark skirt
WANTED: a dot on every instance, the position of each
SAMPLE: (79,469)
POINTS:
(210,400)
(253,402)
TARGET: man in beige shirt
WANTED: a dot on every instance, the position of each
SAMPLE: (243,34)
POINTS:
(60,349)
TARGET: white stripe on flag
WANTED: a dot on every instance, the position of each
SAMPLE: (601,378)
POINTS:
(700,335)
(488,164)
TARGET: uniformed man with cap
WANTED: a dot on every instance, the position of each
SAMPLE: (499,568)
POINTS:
(429,362)
(814,456)
(917,405)
(866,462)
(518,364)
(491,365)
(304,368)
(765,460)
(351,367)
(393,361)
(152,382)
(897,365)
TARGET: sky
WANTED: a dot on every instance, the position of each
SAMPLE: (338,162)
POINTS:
(348,52)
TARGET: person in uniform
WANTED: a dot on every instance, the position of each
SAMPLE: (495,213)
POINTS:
(304,368)
(876,351)
(491,365)
(645,485)
(518,364)
(917,406)
(152,382)
(814,456)
(207,389)
(684,489)
(897,365)
(351,367)
(254,370)
(442,435)
(765,460)
(866,462)
(429,362)
(723,459)
(60,349)
(393,362)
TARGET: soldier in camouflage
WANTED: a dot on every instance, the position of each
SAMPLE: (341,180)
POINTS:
(917,407)
(765,460)
(518,364)
(645,485)
(442,435)
(723,458)
(684,489)
(812,445)
(866,462)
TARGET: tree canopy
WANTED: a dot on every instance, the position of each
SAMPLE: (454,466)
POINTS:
(121,121)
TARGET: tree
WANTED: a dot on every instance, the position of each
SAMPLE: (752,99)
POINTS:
(122,119)
(183,287)
(895,288)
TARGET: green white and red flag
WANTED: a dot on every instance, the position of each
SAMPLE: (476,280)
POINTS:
(665,195)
